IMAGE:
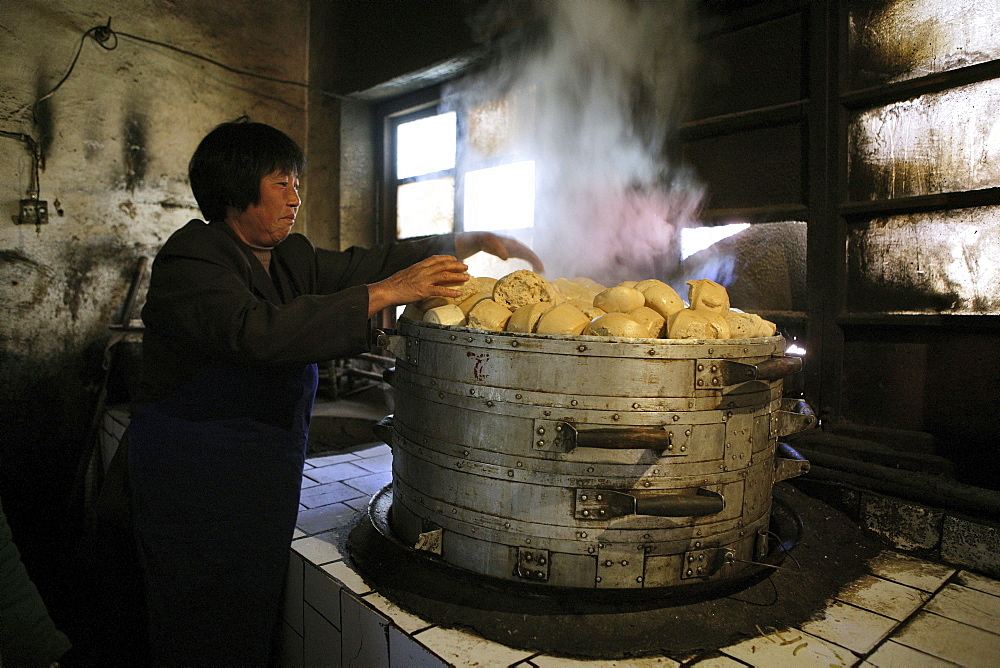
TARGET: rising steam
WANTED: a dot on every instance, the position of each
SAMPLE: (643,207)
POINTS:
(605,82)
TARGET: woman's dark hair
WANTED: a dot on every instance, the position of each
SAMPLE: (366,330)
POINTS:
(229,163)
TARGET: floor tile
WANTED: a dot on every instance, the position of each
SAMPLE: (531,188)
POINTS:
(319,549)
(371,484)
(377,449)
(360,504)
(884,597)
(325,518)
(950,640)
(969,606)
(378,464)
(790,647)
(894,655)
(856,629)
(979,582)
(324,495)
(910,571)
(459,648)
(339,458)
(336,472)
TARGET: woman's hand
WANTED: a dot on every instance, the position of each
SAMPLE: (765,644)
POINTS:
(427,278)
(469,243)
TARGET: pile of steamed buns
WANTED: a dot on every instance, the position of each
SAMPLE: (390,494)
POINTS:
(525,302)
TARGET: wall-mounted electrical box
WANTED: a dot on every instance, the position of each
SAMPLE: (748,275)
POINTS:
(33,212)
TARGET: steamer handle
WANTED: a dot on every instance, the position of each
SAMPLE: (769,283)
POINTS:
(604,504)
(777,368)
(705,502)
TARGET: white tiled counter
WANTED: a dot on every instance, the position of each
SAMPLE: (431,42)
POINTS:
(904,612)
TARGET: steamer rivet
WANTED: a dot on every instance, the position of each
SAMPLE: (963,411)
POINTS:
(690,558)
(583,534)
(687,432)
(581,348)
(585,513)
(600,497)
(701,367)
(624,562)
(517,396)
(583,497)
(541,560)
(676,418)
(472,390)
(608,563)
(452,337)
(510,473)
(711,351)
(616,417)
(598,579)
(540,444)
(656,471)
(520,465)
(601,513)
(527,557)
(440,395)
(646,483)
(506,525)
(683,448)
(573,402)
(646,536)
(470,339)
(513,344)
(527,541)
(670,446)
(490,404)
(700,569)
(635,405)
(590,469)
(541,430)
(652,351)
(465,452)
(715,381)
(714,368)
(639,579)
(547,412)
(689,572)
(697,543)
(489,339)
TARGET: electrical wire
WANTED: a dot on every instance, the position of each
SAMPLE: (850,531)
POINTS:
(105,33)
(34,189)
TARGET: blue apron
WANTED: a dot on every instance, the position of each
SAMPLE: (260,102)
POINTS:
(215,475)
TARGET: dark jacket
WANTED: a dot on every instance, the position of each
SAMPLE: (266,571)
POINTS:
(209,299)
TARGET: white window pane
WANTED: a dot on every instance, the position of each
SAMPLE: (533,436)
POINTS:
(425,207)
(500,198)
(426,145)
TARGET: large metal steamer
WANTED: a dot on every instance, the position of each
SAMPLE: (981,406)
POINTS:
(587,462)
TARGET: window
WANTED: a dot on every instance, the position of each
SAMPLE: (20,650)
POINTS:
(455,170)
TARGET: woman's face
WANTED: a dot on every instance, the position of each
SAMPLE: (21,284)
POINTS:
(269,222)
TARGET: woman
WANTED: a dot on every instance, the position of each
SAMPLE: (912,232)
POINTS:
(238,312)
